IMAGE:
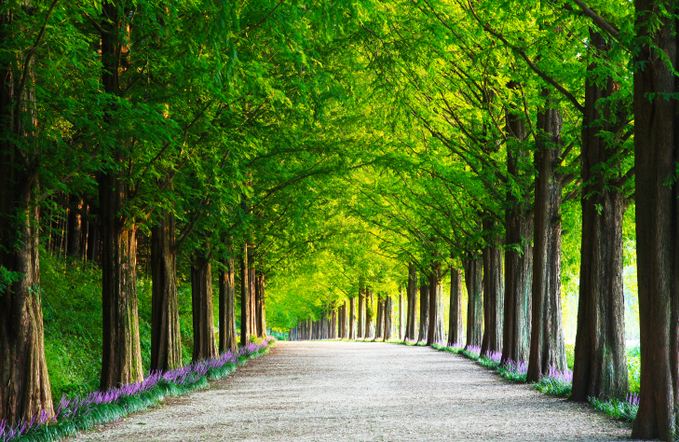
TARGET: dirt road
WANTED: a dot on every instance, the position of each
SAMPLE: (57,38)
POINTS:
(355,391)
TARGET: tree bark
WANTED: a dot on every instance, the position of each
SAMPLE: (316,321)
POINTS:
(261,304)
(24,381)
(333,325)
(379,323)
(657,219)
(412,302)
(424,308)
(600,353)
(400,313)
(518,236)
(352,318)
(166,340)
(455,322)
(74,236)
(245,313)
(434,312)
(360,332)
(493,292)
(473,279)
(204,343)
(369,313)
(228,339)
(388,305)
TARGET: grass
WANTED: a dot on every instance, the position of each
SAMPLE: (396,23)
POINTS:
(72,305)
(558,383)
(97,407)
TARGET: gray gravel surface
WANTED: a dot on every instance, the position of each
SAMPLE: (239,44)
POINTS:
(363,391)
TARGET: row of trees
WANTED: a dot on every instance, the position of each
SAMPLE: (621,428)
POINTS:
(187,128)
(326,147)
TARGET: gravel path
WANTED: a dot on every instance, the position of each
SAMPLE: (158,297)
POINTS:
(355,391)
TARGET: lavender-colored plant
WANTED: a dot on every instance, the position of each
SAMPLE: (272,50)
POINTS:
(79,407)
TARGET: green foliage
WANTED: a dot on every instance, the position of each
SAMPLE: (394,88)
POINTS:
(554,386)
(72,320)
(616,408)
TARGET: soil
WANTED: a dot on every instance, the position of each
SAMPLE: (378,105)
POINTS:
(363,391)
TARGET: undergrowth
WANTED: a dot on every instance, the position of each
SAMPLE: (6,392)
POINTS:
(557,383)
(83,411)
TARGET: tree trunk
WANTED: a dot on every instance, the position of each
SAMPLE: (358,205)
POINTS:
(166,340)
(388,305)
(412,302)
(493,293)
(245,313)
(655,155)
(352,318)
(369,313)
(345,320)
(333,325)
(455,322)
(473,279)
(600,354)
(261,304)
(518,235)
(204,343)
(74,236)
(252,286)
(434,283)
(24,381)
(400,313)
(424,308)
(121,359)
(547,346)
(228,339)
(361,311)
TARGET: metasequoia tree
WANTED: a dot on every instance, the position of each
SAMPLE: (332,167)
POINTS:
(24,382)
(656,154)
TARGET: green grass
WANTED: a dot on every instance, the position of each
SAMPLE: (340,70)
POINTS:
(72,311)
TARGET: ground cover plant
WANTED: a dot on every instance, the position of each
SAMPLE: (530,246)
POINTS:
(557,383)
(81,412)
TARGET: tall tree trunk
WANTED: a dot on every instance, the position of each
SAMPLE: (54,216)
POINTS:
(518,235)
(345,320)
(600,354)
(352,318)
(493,292)
(360,329)
(388,305)
(400,313)
(473,279)
(379,322)
(228,339)
(121,359)
(261,304)
(204,343)
(657,218)
(24,381)
(455,322)
(547,345)
(434,312)
(424,308)
(166,340)
(245,313)
(412,302)
(252,286)
(333,325)
(369,313)
(74,241)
